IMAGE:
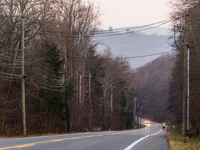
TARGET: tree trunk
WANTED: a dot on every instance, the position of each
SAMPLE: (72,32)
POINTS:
(103,114)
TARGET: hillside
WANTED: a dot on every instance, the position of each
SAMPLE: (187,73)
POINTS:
(136,44)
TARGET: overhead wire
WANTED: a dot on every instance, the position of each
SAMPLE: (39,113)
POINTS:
(9,74)
(104,33)
(42,70)
(132,57)
(138,27)
(148,55)
(18,65)
(40,78)
(8,80)
(46,83)
(134,31)
(47,75)
(11,65)
(9,58)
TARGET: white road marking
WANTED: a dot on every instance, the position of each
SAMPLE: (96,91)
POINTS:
(133,144)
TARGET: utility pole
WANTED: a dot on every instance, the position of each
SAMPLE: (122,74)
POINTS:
(131,114)
(90,111)
(111,104)
(80,103)
(138,116)
(66,92)
(185,75)
(66,100)
(135,112)
(23,79)
(188,91)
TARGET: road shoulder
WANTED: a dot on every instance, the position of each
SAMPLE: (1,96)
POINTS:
(154,142)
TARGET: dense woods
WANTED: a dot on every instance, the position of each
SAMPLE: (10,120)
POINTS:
(68,85)
(176,84)
(159,84)
(152,87)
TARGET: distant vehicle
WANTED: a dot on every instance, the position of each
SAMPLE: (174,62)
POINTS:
(146,122)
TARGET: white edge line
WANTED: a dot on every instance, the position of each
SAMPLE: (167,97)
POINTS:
(133,144)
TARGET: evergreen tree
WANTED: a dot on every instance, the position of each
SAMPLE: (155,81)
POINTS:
(51,94)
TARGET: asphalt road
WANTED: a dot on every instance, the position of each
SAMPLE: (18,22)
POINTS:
(151,137)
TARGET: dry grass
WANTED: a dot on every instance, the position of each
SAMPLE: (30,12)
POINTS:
(177,142)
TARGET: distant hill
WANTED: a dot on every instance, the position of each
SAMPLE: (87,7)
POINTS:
(136,44)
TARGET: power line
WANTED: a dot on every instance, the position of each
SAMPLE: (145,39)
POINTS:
(142,28)
(8,80)
(138,27)
(11,65)
(149,55)
(9,74)
(9,58)
(127,57)
(46,84)
(15,80)
(104,32)
(42,71)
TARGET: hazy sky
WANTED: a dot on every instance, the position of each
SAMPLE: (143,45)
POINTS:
(128,13)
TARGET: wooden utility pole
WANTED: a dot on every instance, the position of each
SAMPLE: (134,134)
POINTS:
(66,90)
(66,100)
(90,111)
(131,113)
(138,116)
(80,103)
(23,78)
(111,105)
(185,76)
(188,92)
(135,112)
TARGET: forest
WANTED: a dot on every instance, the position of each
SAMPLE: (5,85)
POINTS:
(152,84)
(68,86)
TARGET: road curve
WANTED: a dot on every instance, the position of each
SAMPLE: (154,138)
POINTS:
(151,137)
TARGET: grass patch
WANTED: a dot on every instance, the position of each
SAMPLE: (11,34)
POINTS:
(178,142)
(141,126)
(138,126)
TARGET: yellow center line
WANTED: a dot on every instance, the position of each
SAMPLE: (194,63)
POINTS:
(109,134)
(90,136)
(100,135)
(57,140)
(115,133)
(156,126)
